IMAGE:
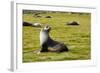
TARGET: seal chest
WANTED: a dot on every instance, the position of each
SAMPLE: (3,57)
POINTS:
(43,36)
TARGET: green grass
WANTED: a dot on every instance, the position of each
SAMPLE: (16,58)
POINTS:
(77,38)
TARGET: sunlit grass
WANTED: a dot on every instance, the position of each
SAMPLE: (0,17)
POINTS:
(77,38)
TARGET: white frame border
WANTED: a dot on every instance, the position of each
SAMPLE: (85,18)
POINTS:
(16,58)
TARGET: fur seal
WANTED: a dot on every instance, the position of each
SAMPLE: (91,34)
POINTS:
(48,44)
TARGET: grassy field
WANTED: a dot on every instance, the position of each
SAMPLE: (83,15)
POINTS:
(77,38)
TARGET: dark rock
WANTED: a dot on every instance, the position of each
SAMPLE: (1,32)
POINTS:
(27,24)
(48,17)
(73,23)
